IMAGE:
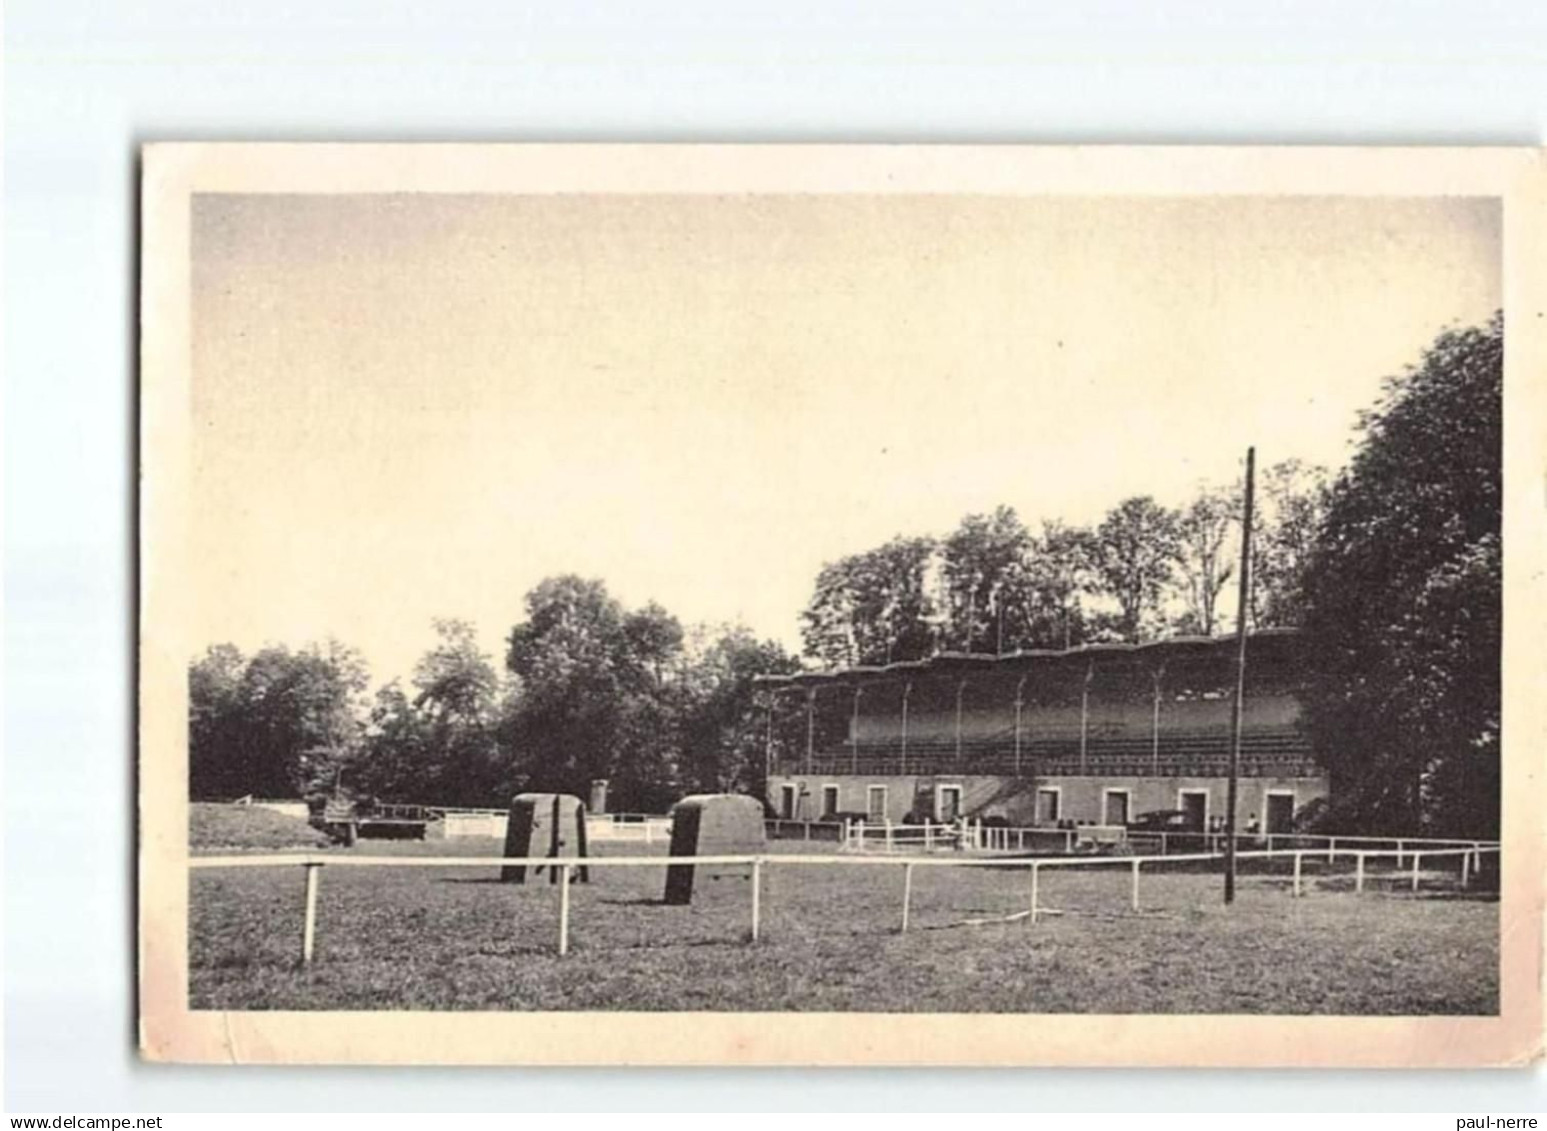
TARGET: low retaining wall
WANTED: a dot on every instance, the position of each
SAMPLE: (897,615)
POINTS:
(474,824)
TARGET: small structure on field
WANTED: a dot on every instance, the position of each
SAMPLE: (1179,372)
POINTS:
(712,824)
(550,825)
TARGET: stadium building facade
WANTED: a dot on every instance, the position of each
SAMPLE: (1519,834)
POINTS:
(1094,735)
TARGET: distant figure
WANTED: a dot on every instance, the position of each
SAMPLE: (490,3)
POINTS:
(1253,827)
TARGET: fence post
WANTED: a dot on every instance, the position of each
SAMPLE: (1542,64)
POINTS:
(929,839)
(907,894)
(1068,840)
(888,836)
(1298,855)
(1358,871)
(1034,870)
(757,885)
(1332,849)
(1417,856)
(1466,866)
(1399,852)
(563,910)
(1135,900)
(1270,842)
(309,928)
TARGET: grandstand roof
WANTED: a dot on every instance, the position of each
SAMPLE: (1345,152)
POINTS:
(1279,640)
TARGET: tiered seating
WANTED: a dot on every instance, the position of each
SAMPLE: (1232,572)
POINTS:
(1266,751)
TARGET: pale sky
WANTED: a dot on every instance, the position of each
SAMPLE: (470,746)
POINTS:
(407,407)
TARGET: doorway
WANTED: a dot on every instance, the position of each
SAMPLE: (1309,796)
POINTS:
(948,803)
(1049,803)
(1195,803)
(829,802)
(875,804)
(787,802)
(1279,815)
(1115,811)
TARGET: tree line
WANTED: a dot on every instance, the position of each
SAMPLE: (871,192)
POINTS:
(995,585)
(588,690)
(1393,570)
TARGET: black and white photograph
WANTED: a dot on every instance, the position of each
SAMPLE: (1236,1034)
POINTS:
(796,595)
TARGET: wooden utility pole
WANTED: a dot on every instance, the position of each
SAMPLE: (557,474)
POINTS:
(1236,703)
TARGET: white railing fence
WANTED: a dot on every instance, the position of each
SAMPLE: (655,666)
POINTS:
(974,835)
(463,824)
(639,827)
(633,827)
(788,828)
(862,836)
(1469,860)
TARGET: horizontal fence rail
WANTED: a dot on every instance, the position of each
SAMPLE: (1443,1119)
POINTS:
(791,829)
(863,836)
(1470,857)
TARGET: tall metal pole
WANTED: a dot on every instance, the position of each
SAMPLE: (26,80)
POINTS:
(1155,723)
(854,729)
(810,724)
(960,687)
(907,690)
(1090,672)
(768,754)
(1020,703)
(1237,703)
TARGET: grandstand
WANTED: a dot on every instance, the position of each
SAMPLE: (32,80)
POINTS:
(1094,735)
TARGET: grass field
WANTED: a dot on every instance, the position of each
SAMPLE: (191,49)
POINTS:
(456,938)
(219,826)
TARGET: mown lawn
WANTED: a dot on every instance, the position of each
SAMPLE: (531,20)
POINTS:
(221,827)
(455,938)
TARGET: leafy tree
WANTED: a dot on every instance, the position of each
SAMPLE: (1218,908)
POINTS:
(1290,505)
(456,680)
(723,732)
(654,640)
(457,687)
(1133,552)
(397,763)
(1403,600)
(873,607)
(309,708)
(990,599)
(593,694)
(218,757)
(1204,558)
(287,726)
(1061,572)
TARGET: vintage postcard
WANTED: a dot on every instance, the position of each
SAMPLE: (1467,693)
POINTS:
(842,605)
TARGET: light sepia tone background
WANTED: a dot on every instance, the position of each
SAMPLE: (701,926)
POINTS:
(1160,378)
(415,406)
